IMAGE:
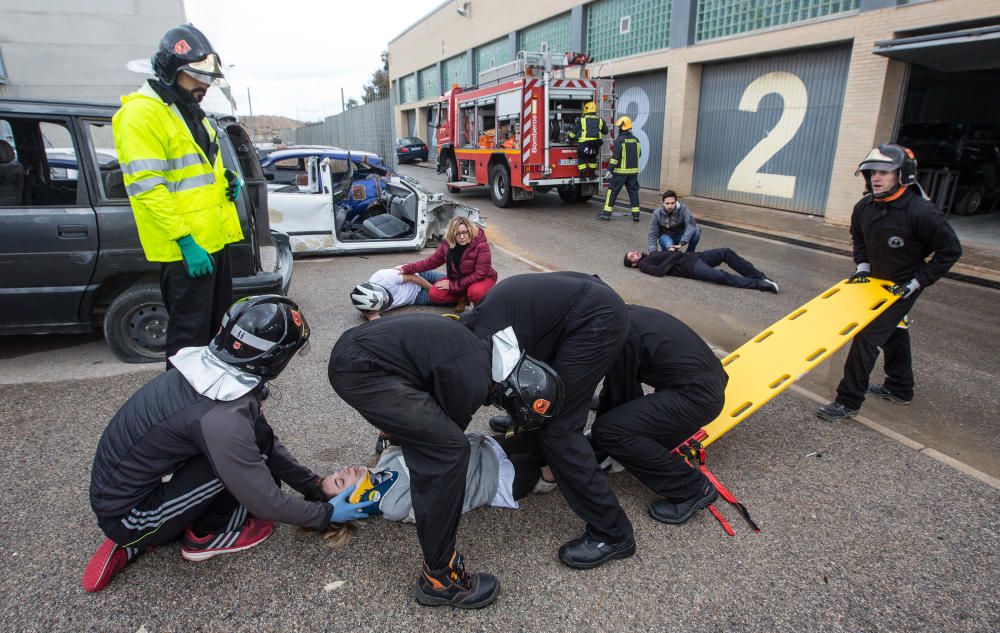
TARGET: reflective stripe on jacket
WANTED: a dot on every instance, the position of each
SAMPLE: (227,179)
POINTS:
(590,127)
(173,188)
(627,152)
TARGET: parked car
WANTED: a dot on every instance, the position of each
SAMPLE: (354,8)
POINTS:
(970,151)
(70,258)
(382,211)
(410,149)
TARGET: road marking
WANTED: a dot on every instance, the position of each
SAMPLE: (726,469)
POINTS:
(947,460)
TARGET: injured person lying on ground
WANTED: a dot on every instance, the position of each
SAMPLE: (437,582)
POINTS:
(702,265)
(501,471)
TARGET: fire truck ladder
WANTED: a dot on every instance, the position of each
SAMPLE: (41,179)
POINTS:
(779,356)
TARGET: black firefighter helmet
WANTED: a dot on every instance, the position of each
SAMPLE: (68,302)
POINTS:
(185,48)
(889,157)
(532,393)
(260,335)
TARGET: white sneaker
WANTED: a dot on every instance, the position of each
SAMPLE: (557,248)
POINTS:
(542,487)
(769,285)
(611,466)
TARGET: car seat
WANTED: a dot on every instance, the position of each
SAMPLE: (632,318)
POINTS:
(11,177)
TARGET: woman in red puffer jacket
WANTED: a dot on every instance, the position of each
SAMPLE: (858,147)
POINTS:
(468,266)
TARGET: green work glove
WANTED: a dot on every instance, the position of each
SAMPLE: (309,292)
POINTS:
(235,185)
(196,259)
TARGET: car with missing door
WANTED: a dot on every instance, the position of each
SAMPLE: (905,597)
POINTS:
(70,257)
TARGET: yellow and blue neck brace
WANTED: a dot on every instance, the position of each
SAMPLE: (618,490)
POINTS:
(372,487)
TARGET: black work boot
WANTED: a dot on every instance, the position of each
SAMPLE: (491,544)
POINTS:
(586,552)
(500,423)
(679,512)
(454,587)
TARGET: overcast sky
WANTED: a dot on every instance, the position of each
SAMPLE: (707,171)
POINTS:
(296,55)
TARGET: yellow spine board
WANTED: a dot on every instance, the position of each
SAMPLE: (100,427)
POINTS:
(773,360)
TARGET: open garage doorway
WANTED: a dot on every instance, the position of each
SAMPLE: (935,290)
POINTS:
(949,118)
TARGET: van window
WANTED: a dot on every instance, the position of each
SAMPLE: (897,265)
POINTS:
(38,164)
(105,158)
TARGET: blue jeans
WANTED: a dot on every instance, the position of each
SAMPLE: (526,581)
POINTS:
(423,297)
(666,240)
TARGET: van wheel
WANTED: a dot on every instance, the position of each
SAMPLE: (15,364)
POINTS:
(451,173)
(135,325)
(971,201)
(500,186)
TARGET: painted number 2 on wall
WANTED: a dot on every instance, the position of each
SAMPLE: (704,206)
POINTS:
(747,176)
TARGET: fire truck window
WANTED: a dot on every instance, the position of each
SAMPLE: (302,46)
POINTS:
(487,126)
(508,133)
(468,127)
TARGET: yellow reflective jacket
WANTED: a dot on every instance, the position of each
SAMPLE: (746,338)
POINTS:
(173,188)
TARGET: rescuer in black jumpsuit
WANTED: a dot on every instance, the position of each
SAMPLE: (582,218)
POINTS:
(419,378)
(576,323)
(894,230)
(641,431)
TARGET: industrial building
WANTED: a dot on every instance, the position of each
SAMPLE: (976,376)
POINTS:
(769,103)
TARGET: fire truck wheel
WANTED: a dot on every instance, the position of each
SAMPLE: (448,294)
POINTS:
(500,186)
(568,193)
(451,173)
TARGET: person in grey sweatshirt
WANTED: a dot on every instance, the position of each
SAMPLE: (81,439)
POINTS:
(673,226)
(500,472)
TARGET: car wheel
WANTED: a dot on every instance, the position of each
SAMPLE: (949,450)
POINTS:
(500,186)
(451,173)
(568,193)
(971,201)
(135,325)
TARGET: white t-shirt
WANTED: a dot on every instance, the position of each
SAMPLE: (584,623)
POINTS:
(403,293)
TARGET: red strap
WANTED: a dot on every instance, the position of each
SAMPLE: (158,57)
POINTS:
(727,495)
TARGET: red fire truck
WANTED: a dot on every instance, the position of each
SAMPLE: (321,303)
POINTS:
(511,132)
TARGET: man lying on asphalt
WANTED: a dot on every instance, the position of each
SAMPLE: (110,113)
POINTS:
(702,266)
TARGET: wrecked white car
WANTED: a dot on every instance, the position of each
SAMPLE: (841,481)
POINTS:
(320,219)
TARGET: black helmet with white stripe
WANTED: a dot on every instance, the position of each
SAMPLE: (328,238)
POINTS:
(260,335)
(370,297)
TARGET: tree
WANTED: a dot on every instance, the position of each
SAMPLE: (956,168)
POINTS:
(351,103)
(378,86)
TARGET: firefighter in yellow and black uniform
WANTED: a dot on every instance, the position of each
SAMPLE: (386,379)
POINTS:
(587,135)
(623,169)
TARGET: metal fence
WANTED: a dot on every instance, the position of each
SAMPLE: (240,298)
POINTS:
(367,128)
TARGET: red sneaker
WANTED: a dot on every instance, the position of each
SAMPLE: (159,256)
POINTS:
(198,548)
(108,560)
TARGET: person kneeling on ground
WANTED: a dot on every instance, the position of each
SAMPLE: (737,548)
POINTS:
(468,266)
(388,289)
(640,431)
(672,226)
(702,266)
(191,456)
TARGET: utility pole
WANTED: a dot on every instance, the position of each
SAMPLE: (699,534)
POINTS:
(253,123)
(343,107)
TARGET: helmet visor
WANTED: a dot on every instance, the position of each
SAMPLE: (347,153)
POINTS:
(207,70)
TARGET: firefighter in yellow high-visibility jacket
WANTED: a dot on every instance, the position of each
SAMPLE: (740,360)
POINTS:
(624,169)
(181,194)
(588,135)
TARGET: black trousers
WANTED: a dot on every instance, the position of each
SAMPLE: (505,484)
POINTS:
(433,445)
(706,269)
(527,461)
(586,155)
(597,329)
(895,343)
(193,495)
(631,184)
(641,434)
(196,305)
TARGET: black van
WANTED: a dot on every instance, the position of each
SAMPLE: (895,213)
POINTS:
(70,258)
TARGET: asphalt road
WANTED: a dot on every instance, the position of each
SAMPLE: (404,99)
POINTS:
(860,532)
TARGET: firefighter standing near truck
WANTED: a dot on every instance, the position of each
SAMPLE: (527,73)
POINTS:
(587,135)
(623,170)
(181,194)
